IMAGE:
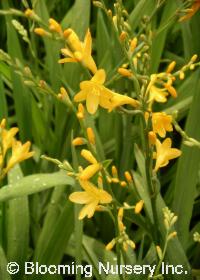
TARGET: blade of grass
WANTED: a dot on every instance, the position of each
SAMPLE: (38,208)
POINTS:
(52,251)
(33,184)
(17,225)
(3,264)
(187,171)
(3,104)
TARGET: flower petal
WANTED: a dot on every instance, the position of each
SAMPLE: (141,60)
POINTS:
(87,44)
(99,77)
(88,210)
(173,153)
(92,102)
(104,197)
(80,197)
(80,96)
(67,60)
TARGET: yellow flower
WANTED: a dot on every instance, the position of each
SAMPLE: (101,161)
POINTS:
(190,12)
(158,94)
(79,51)
(96,94)
(91,197)
(7,138)
(161,123)
(164,153)
(20,152)
(160,87)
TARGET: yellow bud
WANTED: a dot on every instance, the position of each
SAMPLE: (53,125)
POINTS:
(194,58)
(80,115)
(123,184)
(115,20)
(63,95)
(192,67)
(110,245)
(131,244)
(98,4)
(152,138)
(41,32)
(100,182)
(171,67)
(171,89)
(109,13)
(109,180)
(54,26)
(172,235)
(81,110)
(114,171)
(181,75)
(139,206)
(121,226)
(115,180)
(88,156)
(3,123)
(90,135)
(29,13)
(128,176)
(121,213)
(123,36)
(125,246)
(159,252)
(133,44)
(124,72)
(78,141)
(67,32)
(89,171)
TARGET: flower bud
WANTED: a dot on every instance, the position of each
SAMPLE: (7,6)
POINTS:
(78,141)
(88,156)
(54,26)
(152,138)
(128,176)
(171,67)
(90,135)
(110,245)
(139,206)
(124,72)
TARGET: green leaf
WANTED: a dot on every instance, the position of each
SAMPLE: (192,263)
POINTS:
(3,105)
(160,39)
(53,248)
(93,253)
(187,171)
(17,224)
(3,264)
(140,9)
(33,184)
